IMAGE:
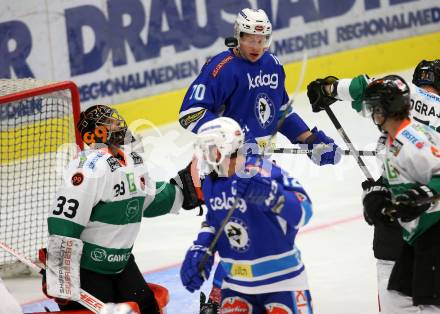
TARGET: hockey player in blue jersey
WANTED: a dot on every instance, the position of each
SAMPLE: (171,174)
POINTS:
(247,84)
(263,266)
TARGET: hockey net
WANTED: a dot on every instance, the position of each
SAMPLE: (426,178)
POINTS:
(37,139)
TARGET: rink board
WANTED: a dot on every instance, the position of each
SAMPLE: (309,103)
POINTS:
(387,57)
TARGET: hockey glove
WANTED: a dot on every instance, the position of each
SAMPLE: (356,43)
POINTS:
(412,203)
(376,198)
(208,307)
(324,149)
(184,181)
(319,98)
(264,193)
(189,271)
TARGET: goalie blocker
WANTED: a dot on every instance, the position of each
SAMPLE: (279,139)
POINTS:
(62,267)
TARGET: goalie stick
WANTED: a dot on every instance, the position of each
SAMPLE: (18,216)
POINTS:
(210,249)
(309,151)
(86,299)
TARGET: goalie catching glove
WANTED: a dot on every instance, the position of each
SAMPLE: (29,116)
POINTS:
(319,97)
(184,180)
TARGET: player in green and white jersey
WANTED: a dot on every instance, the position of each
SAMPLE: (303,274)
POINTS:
(410,182)
(97,215)
(425,108)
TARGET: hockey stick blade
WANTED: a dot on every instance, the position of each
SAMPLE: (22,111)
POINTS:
(86,299)
(298,151)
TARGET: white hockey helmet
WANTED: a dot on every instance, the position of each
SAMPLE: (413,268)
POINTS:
(216,140)
(255,22)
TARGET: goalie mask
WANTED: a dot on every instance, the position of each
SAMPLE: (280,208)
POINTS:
(388,96)
(103,124)
(254,22)
(216,140)
(427,73)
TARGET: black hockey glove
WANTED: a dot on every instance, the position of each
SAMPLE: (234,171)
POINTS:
(413,203)
(318,97)
(208,307)
(376,199)
(185,182)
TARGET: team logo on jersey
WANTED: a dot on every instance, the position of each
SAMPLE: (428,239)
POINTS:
(98,255)
(235,305)
(77,178)
(137,159)
(236,232)
(261,80)
(226,202)
(113,163)
(133,210)
(264,110)
(278,308)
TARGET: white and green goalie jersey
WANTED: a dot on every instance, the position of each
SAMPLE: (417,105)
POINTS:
(413,157)
(102,201)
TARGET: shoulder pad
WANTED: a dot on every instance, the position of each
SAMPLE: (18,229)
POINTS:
(277,61)
(412,136)
(113,163)
(137,159)
(90,161)
(219,66)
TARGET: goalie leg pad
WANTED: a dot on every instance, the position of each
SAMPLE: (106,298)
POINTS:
(62,267)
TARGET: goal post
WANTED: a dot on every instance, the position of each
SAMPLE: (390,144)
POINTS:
(38,137)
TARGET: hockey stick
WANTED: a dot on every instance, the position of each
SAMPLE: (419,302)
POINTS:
(347,141)
(309,151)
(86,299)
(420,201)
(210,250)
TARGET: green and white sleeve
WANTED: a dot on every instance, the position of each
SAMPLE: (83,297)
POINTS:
(353,90)
(167,198)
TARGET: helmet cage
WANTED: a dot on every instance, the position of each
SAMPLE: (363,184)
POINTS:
(103,124)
